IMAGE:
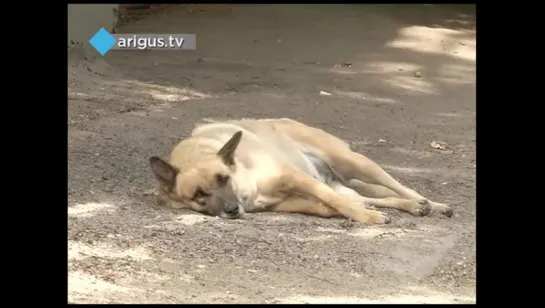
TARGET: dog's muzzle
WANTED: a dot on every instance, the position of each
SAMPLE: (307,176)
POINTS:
(233,212)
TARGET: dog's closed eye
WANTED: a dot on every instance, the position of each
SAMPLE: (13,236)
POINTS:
(222,179)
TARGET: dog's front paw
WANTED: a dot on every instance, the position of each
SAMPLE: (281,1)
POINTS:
(373,217)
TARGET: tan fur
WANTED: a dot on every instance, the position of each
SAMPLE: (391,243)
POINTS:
(280,165)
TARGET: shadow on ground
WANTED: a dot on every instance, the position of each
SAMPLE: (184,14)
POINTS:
(399,77)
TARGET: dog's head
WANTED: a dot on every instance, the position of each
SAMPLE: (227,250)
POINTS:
(207,187)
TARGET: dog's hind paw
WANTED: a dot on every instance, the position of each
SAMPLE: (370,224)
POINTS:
(447,211)
(442,208)
(422,208)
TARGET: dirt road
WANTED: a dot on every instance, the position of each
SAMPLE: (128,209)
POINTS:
(399,79)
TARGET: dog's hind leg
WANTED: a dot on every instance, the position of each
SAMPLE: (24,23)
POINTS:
(352,165)
(416,207)
(370,190)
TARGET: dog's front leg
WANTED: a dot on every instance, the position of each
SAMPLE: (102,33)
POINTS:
(305,206)
(295,183)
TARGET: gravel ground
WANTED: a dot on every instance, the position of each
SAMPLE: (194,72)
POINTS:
(400,77)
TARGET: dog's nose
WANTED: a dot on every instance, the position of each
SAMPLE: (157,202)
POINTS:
(232,211)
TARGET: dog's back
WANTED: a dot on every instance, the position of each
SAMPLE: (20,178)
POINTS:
(269,141)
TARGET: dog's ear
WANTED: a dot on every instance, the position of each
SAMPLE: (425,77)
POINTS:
(164,172)
(227,152)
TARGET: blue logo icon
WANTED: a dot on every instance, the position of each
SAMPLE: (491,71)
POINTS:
(102,41)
